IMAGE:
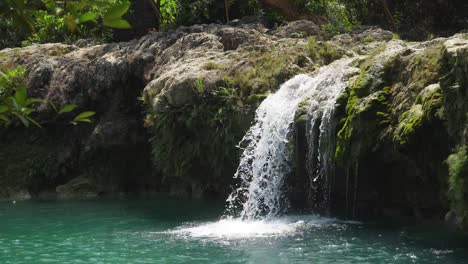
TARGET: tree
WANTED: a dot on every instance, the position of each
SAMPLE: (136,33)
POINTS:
(290,11)
(144,16)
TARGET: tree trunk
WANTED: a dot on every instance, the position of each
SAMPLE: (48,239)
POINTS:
(290,12)
(388,15)
(143,16)
(156,6)
(226,8)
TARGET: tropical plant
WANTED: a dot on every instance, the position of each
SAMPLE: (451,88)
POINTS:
(168,11)
(200,137)
(15,104)
(59,20)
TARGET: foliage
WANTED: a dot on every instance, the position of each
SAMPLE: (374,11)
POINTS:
(19,12)
(191,12)
(340,18)
(212,66)
(413,19)
(199,139)
(311,46)
(11,35)
(62,20)
(199,12)
(328,53)
(15,104)
(458,182)
(49,28)
(266,70)
(322,51)
(168,11)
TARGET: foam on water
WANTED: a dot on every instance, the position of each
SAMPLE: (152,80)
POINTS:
(247,229)
(255,206)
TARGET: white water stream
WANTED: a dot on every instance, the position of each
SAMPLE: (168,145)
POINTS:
(255,207)
(265,161)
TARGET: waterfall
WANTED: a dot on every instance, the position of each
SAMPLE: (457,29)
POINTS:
(265,161)
(321,130)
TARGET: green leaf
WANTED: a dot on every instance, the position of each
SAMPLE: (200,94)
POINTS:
(117,23)
(31,101)
(3,75)
(87,120)
(68,108)
(116,12)
(11,102)
(33,121)
(71,23)
(20,96)
(84,115)
(90,16)
(52,105)
(22,119)
(5,119)
(26,111)
(3,108)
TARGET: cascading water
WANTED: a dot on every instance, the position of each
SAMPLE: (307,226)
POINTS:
(254,206)
(321,131)
(265,161)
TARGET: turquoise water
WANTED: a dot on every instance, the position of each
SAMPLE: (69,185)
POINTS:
(172,231)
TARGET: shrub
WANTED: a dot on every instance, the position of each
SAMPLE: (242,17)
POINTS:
(458,182)
(199,139)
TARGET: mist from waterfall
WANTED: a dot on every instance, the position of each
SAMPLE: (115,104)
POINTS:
(265,162)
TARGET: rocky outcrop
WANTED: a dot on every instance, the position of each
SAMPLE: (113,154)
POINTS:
(78,188)
(398,129)
(114,151)
(172,106)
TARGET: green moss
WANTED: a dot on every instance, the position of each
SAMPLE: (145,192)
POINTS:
(209,66)
(266,70)
(368,39)
(427,108)
(431,100)
(322,52)
(312,47)
(366,64)
(421,70)
(362,84)
(300,117)
(458,181)
(408,125)
(328,53)
(256,99)
(363,119)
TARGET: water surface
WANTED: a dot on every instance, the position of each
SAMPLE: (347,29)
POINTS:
(179,231)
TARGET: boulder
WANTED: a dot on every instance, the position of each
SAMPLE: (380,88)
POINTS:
(79,187)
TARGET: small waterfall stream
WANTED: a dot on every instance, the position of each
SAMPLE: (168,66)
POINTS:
(265,161)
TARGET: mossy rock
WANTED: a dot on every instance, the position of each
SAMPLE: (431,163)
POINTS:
(410,122)
(364,115)
(458,181)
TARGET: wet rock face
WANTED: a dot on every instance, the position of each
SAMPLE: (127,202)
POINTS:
(398,129)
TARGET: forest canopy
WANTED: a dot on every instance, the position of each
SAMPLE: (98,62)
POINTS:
(23,22)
